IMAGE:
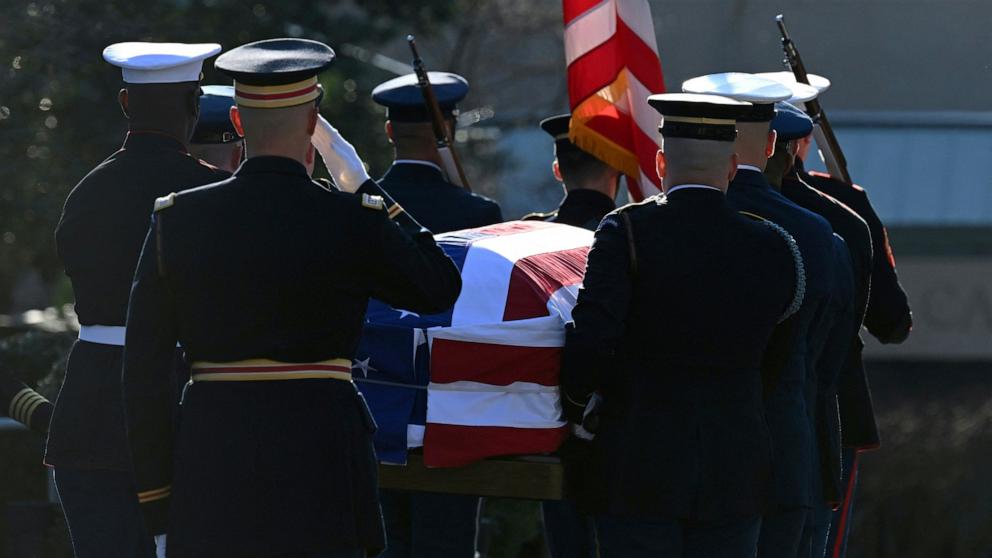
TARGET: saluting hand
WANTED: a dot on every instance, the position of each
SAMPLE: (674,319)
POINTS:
(343,162)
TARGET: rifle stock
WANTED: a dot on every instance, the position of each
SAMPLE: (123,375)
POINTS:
(826,140)
(452,165)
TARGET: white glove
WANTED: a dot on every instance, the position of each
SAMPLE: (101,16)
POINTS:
(342,160)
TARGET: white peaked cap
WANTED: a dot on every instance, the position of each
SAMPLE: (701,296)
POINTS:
(739,86)
(819,82)
(160,62)
(801,92)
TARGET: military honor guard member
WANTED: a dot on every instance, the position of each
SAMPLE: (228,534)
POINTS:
(590,184)
(888,318)
(99,238)
(424,524)
(590,190)
(786,403)
(680,298)
(416,179)
(24,404)
(264,279)
(215,140)
(837,382)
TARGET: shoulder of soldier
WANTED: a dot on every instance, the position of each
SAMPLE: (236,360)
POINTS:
(634,212)
(209,170)
(540,216)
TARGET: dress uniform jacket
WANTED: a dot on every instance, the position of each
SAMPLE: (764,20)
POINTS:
(437,204)
(99,238)
(674,344)
(24,404)
(888,316)
(267,265)
(580,208)
(857,239)
(786,405)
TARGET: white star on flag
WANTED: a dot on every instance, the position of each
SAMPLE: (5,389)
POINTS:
(405,313)
(364,366)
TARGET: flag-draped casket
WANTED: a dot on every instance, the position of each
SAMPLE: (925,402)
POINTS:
(481,379)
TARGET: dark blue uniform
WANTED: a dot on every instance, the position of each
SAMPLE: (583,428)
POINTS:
(857,238)
(24,404)
(99,238)
(786,405)
(580,208)
(437,204)
(888,318)
(267,265)
(674,344)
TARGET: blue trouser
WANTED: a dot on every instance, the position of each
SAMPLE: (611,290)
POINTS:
(568,532)
(840,527)
(623,537)
(782,533)
(427,525)
(102,512)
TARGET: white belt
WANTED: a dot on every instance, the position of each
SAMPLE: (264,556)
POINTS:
(104,335)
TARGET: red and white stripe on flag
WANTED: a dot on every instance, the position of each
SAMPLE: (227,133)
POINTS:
(495,370)
(613,66)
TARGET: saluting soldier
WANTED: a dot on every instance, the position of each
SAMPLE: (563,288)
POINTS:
(828,272)
(420,524)
(99,238)
(264,279)
(24,404)
(215,140)
(417,179)
(590,184)
(791,125)
(680,298)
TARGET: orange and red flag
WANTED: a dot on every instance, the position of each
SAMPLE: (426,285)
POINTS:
(613,66)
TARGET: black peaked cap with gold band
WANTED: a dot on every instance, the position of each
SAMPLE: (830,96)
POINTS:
(282,73)
(704,117)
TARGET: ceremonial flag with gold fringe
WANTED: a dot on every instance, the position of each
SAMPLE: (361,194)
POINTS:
(613,66)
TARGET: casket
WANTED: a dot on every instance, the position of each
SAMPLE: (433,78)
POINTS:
(480,380)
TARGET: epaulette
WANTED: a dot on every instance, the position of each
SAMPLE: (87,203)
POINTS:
(206,164)
(326,184)
(797,258)
(165,202)
(373,202)
(539,216)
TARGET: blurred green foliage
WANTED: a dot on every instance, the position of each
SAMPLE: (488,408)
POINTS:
(58,110)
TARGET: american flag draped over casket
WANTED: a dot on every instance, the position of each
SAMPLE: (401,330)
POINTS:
(480,380)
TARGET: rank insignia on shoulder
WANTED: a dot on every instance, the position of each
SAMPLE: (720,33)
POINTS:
(165,202)
(373,202)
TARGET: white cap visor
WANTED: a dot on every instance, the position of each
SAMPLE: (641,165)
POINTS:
(819,82)
(739,86)
(160,62)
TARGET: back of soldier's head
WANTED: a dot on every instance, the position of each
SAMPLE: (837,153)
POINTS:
(698,134)
(410,119)
(161,83)
(577,167)
(215,139)
(276,91)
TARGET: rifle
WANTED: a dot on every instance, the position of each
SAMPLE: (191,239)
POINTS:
(830,150)
(452,165)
